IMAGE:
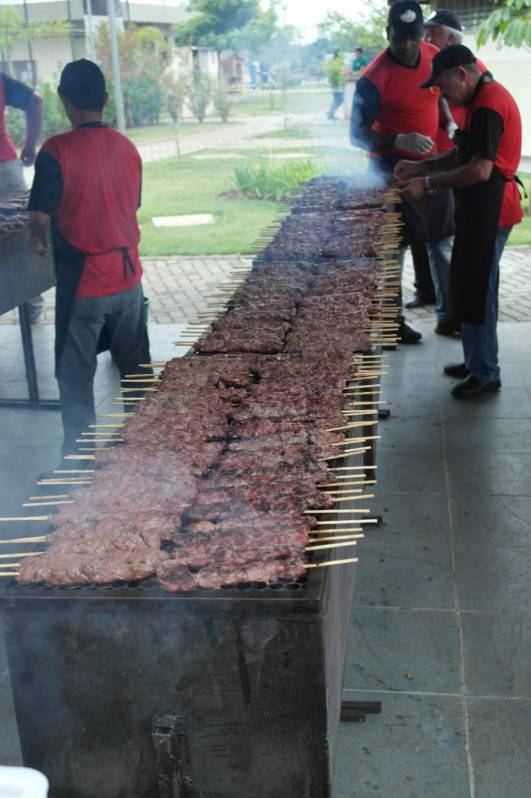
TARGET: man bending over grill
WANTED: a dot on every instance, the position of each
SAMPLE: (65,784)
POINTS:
(86,191)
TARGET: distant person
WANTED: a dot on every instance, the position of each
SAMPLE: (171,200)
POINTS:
(87,191)
(15,94)
(334,70)
(359,61)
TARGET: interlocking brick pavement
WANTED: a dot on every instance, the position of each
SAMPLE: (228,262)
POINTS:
(178,287)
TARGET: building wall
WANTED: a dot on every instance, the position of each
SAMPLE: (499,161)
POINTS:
(50,55)
(512,67)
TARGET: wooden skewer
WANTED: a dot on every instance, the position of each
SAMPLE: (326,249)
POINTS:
(350,491)
(120,400)
(75,471)
(357,521)
(354,468)
(112,425)
(333,512)
(141,380)
(98,440)
(357,529)
(79,457)
(49,496)
(47,504)
(331,562)
(19,554)
(350,441)
(63,482)
(331,546)
(113,415)
(342,456)
(332,538)
(355,498)
(98,434)
(32,539)
(345,483)
(354,425)
(10,518)
(9,573)
(134,390)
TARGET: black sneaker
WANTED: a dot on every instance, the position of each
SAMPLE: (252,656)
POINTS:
(458,370)
(407,335)
(475,388)
(448,327)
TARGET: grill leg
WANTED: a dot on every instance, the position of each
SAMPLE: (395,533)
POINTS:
(356,711)
(167,732)
(29,357)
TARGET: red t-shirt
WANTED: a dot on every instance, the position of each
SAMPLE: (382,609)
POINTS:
(101,173)
(404,106)
(492,96)
(444,142)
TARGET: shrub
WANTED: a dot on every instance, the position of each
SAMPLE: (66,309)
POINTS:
(265,183)
(198,95)
(144,101)
(222,103)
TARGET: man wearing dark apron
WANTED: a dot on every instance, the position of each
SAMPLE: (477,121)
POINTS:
(87,191)
(393,118)
(482,172)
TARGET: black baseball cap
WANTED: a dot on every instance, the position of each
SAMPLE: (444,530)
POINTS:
(444,17)
(405,18)
(454,56)
(83,83)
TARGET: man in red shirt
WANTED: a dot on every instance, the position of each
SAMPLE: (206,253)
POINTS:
(481,170)
(393,118)
(87,191)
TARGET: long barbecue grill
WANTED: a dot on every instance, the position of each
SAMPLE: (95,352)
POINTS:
(160,687)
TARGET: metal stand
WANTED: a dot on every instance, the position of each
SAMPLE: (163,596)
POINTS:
(31,372)
(356,711)
(167,733)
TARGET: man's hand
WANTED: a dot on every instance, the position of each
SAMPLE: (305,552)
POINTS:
(405,170)
(414,142)
(415,189)
(28,155)
(38,238)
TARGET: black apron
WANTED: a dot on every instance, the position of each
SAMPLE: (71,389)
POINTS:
(477,211)
(69,265)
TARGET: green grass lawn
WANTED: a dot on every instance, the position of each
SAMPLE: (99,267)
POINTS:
(187,186)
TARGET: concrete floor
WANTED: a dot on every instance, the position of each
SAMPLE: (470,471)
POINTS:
(441,625)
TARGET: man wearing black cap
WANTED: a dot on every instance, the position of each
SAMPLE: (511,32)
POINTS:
(482,171)
(394,118)
(87,190)
(443,29)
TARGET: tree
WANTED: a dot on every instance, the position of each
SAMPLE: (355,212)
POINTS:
(144,58)
(14,29)
(344,34)
(214,23)
(510,24)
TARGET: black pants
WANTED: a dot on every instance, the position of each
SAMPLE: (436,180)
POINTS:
(124,319)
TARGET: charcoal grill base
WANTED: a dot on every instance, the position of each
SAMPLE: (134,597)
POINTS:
(256,677)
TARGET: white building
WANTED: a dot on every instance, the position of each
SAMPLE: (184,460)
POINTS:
(41,60)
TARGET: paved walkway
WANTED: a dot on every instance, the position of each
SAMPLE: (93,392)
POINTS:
(178,287)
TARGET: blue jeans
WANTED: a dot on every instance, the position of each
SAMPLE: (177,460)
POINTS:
(480,341)
(440,255)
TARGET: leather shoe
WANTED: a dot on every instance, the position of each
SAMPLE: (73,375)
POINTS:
(407,335)
(458,370)
(475,388)
(418,301)
(448,327)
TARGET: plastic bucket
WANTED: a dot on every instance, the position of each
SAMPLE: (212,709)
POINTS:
(22,783)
